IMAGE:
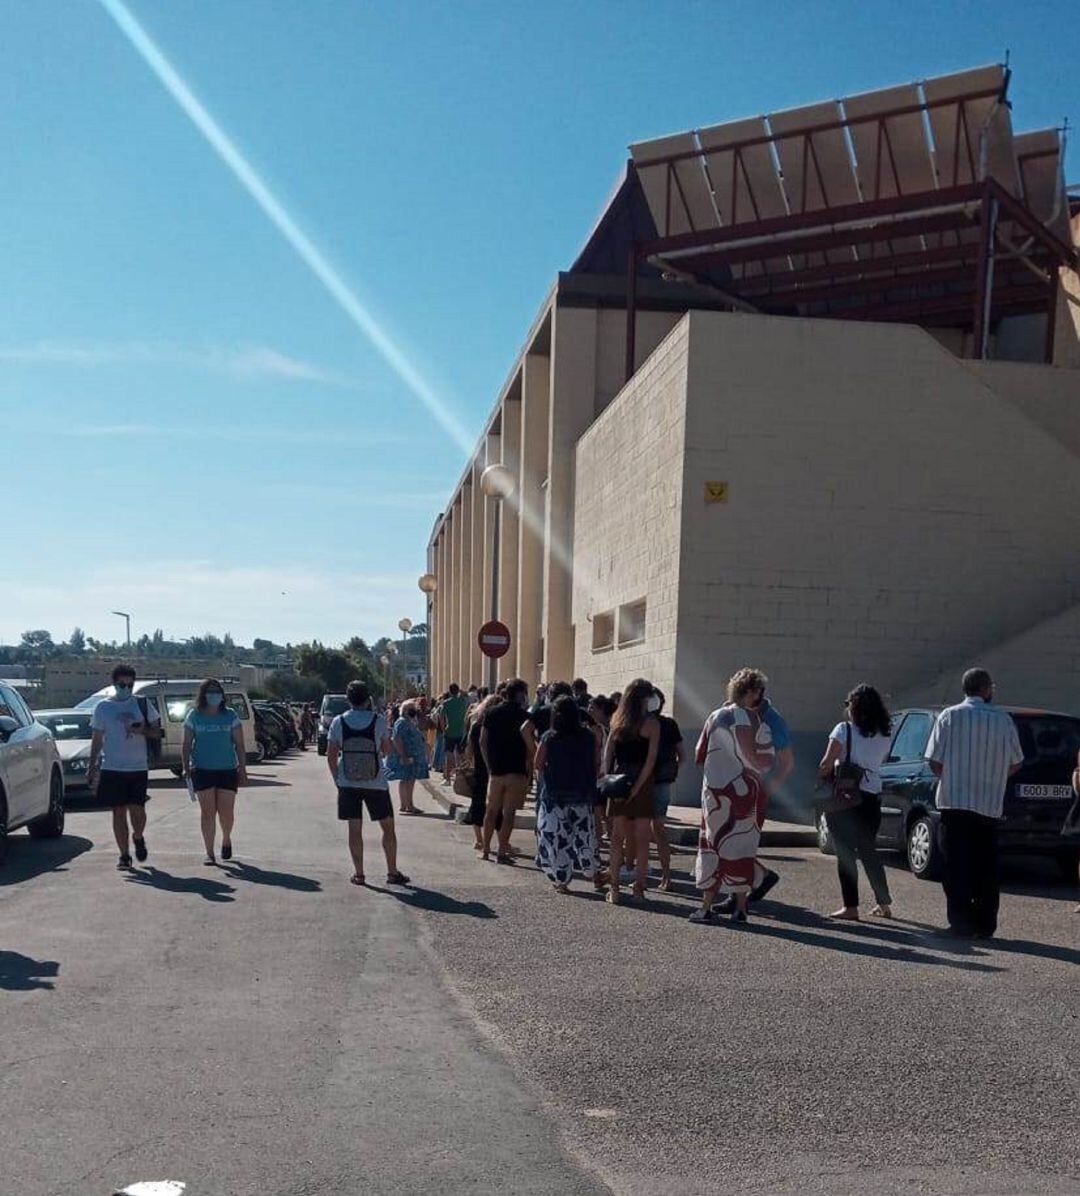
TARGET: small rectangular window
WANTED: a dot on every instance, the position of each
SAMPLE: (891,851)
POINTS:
(603,631)
(632,622)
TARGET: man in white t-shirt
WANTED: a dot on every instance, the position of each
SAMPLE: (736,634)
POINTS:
(355,744)
(119,762)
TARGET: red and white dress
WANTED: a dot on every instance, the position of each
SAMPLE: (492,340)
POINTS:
(736,750)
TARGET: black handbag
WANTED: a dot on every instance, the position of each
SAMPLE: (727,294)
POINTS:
(616,787)
(846,781)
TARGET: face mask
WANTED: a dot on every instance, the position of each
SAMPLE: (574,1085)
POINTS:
(214,700)
(653,704)
(123,692)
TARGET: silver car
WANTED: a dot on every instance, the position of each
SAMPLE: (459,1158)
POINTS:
(71,731)
(31,776)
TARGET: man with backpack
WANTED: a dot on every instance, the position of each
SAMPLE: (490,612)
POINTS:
(356,742)
(123,744)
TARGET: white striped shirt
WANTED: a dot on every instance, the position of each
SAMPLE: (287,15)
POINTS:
(976,744)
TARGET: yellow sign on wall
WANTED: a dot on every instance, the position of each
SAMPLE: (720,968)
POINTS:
(716,491)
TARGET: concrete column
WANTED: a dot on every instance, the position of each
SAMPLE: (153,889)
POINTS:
(489,609)
(479,597)
(573,389)
(508,538)
(465,564)
(453,574)
(535,404)
(438,683)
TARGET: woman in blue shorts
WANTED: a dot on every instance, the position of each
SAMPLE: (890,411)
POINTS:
(408,762)
(213,757)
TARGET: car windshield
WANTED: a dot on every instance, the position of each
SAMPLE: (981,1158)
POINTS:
(1049,737)
(335,705)
(67,726)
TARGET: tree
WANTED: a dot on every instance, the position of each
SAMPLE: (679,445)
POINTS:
(77,641)
(38,644)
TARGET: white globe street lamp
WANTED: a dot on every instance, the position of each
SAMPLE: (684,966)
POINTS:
(405,625)
(497,481)
(428,583)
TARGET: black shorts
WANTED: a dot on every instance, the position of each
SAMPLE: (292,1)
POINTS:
(214,778)
(453,743)
(350,803)
(122,788)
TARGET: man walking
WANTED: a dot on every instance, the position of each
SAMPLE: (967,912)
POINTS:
(973,750)
(121,727)
(506,760)
(354,745)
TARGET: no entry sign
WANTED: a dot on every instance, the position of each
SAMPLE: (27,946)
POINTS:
(494,639)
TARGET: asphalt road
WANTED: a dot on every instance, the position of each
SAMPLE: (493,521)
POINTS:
(268,1028)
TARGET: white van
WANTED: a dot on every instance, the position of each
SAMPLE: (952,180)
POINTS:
(172,699)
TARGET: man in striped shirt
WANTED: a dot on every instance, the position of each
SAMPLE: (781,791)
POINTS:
(973,750)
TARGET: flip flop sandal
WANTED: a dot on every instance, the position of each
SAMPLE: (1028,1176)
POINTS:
(357,879)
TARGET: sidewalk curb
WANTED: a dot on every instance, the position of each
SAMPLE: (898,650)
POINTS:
(680,834)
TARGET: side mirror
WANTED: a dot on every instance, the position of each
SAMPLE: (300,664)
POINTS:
(8,727)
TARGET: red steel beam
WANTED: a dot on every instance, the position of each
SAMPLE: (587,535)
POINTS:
(861,286)
(766,284)
(960,303)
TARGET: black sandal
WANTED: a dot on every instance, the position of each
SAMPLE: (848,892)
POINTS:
(397,878)
(226,851)
(357,878)
(124,863)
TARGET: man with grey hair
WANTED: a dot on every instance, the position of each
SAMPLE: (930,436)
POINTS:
(973,750)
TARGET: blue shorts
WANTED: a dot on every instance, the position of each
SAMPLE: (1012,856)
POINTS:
(662,792)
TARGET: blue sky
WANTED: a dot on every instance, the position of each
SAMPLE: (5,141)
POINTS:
(191,429)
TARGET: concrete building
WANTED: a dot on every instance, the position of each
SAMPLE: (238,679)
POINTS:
(808,399)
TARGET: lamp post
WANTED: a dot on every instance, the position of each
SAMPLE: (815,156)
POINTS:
(127,622)
(428,584)
(385,662)
(496,482)
(405,626)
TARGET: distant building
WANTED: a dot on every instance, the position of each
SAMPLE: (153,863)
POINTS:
(808,399)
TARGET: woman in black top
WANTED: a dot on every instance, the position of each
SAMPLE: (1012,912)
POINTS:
(566,763)
(631,750)
(474,758)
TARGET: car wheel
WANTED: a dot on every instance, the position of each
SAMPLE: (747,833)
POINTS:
(923,848)
(51,826)
(1068,863)
(824,839)
(260,752)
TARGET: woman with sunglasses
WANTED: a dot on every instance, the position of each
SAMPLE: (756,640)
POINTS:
(213,758)
(408,762)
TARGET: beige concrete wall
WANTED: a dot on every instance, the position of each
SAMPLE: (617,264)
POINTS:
(535,402)
(892,516)
(652,327)
(628,477)
(509,534)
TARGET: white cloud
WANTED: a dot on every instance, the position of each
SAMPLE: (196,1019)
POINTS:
(190,597)
(243,361)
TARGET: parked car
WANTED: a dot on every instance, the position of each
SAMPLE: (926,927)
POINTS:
(292,730)
(273,726)
(172,699)
(1037,797)
(71,731)
(332,706)
(31,775)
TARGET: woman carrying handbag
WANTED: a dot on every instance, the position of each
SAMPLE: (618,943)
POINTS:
(852,763)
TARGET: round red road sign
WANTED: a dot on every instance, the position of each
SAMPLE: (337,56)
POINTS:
(494,639)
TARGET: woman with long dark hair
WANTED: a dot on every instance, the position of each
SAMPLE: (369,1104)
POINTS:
(631,751)
(567,759)
(213,757)
(863,737)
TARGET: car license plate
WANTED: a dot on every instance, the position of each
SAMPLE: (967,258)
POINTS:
(1046,792)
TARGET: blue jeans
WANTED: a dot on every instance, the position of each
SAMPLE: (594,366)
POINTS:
(662,791)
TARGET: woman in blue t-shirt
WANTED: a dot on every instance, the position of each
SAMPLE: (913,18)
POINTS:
(408,762)
(213,757)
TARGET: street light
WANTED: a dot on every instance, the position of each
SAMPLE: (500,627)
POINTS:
(497,482)
(384,660)
(428,584)
(127,620)
(404,626)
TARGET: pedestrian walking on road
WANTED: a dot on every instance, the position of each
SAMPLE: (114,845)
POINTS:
(631,752)
(474,760)
(668,761)
(862,740)
(354,743)
(122,727)
(213,757)
(506,756)
(974,748)
(736,751)
(567,759)
(407,762)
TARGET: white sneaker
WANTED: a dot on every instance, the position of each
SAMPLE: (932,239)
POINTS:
(701,915)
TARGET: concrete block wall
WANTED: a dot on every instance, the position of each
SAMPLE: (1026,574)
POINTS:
(628,485)
(893,514)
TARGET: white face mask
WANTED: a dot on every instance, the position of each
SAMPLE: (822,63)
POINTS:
(653,704)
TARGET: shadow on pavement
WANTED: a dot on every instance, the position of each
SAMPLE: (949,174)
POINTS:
(27,858)
(440,903)
(20,973)
(155,878)
(263,876)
